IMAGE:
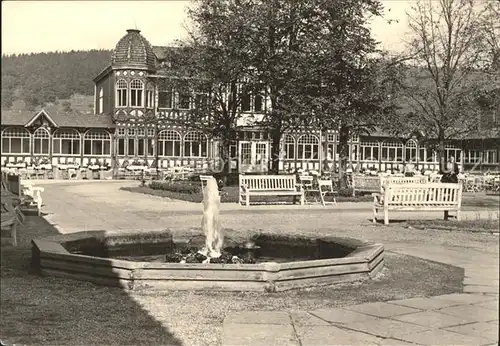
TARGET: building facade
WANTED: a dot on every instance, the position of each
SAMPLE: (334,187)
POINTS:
(133,104)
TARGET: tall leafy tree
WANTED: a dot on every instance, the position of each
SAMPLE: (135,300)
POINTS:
(214,66)
(447,48)
(347,83)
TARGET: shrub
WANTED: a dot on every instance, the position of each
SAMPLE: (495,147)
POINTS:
(176,186)
(345,192)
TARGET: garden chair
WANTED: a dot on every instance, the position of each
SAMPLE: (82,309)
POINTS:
(307,184)
(326,188)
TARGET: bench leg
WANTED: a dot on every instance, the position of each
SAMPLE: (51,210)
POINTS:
(374,214)
(302,199)
(446,214)
(386,217)
(247,200)
(458,215)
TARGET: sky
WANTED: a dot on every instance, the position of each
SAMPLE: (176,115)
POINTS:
(44,26)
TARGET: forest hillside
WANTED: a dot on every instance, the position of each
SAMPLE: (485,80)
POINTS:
(32,80)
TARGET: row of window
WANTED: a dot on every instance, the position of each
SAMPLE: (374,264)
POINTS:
(98,142)
(308,146)
(64,142)
(169,143)
(132,95)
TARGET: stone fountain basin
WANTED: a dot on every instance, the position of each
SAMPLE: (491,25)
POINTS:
(58,256)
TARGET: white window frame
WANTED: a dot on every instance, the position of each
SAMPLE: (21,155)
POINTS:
(16,133)
(308,143)
(41,137)
(195,139)
(71,136)
(289,147)
(94,136)
(169,136)
(121,93)
(136,93)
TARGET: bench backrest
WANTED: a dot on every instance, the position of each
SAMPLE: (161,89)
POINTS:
(418,194)
(366,183)
(373,184)
(404,180)
(268,182)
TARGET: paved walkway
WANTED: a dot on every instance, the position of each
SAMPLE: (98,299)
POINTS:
(470,318)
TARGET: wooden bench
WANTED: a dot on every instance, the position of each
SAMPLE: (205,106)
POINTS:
(11,217)
(361,183)
(269,185)
(418,197)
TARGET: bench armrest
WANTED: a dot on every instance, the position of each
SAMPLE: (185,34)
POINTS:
(244,187)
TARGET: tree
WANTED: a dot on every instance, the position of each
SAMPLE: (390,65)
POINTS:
(447,48)
(212,66)
(347,83)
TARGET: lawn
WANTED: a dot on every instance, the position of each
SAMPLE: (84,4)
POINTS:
(479,225)
(230,195)
(46,310)
(470,201)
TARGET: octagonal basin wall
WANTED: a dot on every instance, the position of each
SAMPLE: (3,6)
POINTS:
(51,257)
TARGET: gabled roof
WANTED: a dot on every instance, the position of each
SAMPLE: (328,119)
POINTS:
(38,115)
(57,117)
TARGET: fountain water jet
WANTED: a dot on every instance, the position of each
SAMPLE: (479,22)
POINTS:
(210,222)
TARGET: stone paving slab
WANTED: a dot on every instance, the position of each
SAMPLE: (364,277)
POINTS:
(386,328)
(425,303)
(342,316)
(381,309)
(432,319)
(487,331)
(443,337)
(472,312)
(303,318)
(259,335)
(491,304)
(481,289)
(463,298)
(332,335)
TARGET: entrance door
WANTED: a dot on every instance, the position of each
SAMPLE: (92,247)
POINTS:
(253,156)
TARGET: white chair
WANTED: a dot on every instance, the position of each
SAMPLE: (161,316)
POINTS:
(307,184)
(326,188)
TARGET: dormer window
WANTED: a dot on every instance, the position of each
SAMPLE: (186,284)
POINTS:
(136,93)
(121,93)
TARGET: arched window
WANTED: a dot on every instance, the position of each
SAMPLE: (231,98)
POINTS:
(369,151)
(66,142)
(15,141)
(289,143)
(308,147)
(169,143)
(121,93)
(41,142)
(411,150)
(392,151)
(97,143)
(195,144)
(136,93)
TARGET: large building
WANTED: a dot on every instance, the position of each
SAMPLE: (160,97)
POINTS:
(134,89)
